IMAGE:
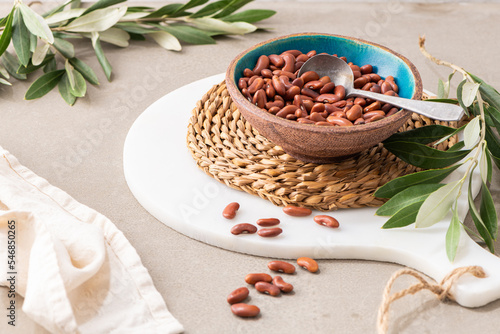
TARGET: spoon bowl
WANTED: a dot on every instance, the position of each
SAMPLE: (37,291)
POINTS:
(341,74)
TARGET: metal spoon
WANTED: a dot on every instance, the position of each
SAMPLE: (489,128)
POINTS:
(341,74)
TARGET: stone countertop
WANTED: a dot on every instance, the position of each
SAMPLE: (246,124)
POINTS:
(59,143)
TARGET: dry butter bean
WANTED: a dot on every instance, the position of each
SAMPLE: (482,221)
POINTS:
(258,277)
(238,295)
(281,284)
(296,211)
(243,228)
(230,210)
(308,263)
(266,222)
(269,232)
(264,287)
(281,266)
(326,220)
(245,310)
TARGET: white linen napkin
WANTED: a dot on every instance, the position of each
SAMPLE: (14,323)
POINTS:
(76,271)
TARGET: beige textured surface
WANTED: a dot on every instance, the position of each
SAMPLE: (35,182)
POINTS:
(79,149)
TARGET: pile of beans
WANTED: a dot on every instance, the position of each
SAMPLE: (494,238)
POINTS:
(266,284)
(274,86)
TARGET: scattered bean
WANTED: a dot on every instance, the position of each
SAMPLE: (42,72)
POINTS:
(258,277)
(269,232)
(238,295)
(243,228)
(266,222)
(281,266)
(268,288)
(281,284)
(308,263)
(245,310)
(230,210)
(296,211)
(326,221)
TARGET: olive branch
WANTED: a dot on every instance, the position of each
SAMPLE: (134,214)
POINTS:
(44,41)
(421,198)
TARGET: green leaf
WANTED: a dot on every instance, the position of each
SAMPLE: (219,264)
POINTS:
(136,37)
(441,90)
(478,222)
(450,135)
(21,39)
(472,132)
(106,66)
(459,96)
(212,24)
(488,93)
(211,8)
(485,166)
(36,24)
(97,20)
(11,64)
(103,4)
(453,236)
(413,194)
(493,145)
(458,146)
(76,4)
(64,90)
(58,9)
(250,16)
(166,40)
(39,54)
(50,66)
(232,7)
(113,36)
(167,10)
(4,72)
(488,212)
(469,91)
(191,4)
(188,34)
(437,205)
(43,85)
(87,72)
(450,101)
(70,74)
(80,85)
(61,17)
(422,135)
(32,68)
(5,82)
(399,184)
(134,28)
(403,217)
(33,42)
(7,33)
(423,156)
(66,48)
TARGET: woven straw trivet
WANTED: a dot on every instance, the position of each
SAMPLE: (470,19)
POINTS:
(228,149)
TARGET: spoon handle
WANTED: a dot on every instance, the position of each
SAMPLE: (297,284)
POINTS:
(435,110)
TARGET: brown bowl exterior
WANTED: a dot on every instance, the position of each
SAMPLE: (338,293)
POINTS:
(315,143)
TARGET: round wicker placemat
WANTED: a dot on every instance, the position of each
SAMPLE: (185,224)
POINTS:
(228,149)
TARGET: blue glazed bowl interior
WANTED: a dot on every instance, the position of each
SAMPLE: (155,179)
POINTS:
(384,62)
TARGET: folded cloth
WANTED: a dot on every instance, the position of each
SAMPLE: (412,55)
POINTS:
(76,271)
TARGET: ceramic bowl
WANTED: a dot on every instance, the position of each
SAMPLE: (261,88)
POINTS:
(324,144)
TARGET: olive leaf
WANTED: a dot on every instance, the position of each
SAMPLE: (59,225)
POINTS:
(423,135)
(404,217)
(188,34)
(97,20)
(21,39)
(64,90)
(64,47)
(102,4)
(211,8)
(437,205)
(478,222)
(423,156)
(36,24)
(39,54)
(213,24)
(251,16)
(12,64)
(413,194)
(453,235)
(5,82)
(43,85)
(472,133)
(401,183)
(488,212)
(485,165)
(233,6)
(106,66)
(32,68)
(63,16)
(469,91)
(6,36)
(86,71)
(166,40)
